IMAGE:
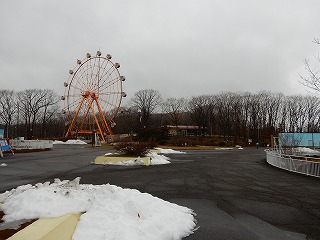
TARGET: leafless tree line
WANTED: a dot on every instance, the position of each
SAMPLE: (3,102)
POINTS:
(243,116)
(255,116)
(36,113)
(32,113)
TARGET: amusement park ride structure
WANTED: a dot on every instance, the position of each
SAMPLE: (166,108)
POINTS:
(92,97)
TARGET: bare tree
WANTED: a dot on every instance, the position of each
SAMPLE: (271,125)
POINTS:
(7,108)
(127,121)
(200,109)
(312,80)
(48,109)
(312,113)
(34,105)
(224,113)
(255,116)
(174,107)
(146,102)
(296,111)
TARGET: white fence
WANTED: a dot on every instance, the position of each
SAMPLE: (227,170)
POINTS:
(298,164)
(31,144)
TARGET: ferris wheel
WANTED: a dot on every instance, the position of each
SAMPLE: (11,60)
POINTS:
(93,96)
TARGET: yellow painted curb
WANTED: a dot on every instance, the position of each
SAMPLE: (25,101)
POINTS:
(60,228)
(155,151)
(114,159)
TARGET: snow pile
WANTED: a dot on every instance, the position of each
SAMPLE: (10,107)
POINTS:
(133,162)
(305,150)
(157,159)
(110,212)
(70,141)
(164,151)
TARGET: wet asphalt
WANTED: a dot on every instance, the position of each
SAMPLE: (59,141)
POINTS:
(235,193)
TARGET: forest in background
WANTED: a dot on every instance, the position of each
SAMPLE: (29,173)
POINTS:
(37,114)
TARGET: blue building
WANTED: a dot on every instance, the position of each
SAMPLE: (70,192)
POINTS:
(300,139)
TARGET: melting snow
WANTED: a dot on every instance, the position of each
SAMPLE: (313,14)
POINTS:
(70,141)
(109,211)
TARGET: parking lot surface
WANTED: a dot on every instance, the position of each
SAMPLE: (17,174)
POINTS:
(235,193)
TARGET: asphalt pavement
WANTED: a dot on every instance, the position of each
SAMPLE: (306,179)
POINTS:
(235,193)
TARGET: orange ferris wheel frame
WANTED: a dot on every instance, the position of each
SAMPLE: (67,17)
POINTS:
(93,96)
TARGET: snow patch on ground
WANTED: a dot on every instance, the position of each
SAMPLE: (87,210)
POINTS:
(305,150)
(110,212)
(133,162)
(70,141)
(229,148)
(168,150)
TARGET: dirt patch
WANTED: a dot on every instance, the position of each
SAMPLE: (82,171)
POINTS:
(6,233)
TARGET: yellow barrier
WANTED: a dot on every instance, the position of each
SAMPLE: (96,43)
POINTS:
(114,159)
(158,151)
(60,228)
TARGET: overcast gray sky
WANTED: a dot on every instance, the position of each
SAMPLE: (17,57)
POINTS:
(181,48)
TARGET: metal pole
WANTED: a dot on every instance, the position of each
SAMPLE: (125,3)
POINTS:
(1,154)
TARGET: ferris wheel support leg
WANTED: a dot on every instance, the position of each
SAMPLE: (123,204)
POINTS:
(85,115)
(98,125)
(104,121)
(74,119)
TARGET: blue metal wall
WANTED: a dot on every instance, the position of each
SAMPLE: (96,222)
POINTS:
(300,139)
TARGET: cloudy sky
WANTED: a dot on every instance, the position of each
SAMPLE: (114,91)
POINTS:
(180,47)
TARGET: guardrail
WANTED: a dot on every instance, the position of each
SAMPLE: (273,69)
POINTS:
(298,164)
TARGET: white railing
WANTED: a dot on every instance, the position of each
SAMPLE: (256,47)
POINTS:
(31,144)
(298,164)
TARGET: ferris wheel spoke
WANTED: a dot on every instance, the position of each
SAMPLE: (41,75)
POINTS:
(74,95)
(79,78)
(75,88)
(110,93)
(96,83)
(97,76)
(86,76)
(73,101)
(72,105)
(105,76)
(108,66)
(92,78)
(82,75)
(78,85)
(112,83)
(107,81)
(109,103)
(108,70)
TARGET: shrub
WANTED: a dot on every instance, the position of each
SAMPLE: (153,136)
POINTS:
(132,149)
